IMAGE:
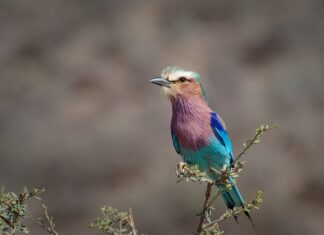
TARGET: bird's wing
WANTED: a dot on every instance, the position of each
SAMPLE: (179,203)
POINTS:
(176,143)
(219,129)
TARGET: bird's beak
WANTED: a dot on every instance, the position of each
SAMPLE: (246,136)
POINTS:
(160,81)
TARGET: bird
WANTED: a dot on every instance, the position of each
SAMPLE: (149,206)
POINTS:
(198,133)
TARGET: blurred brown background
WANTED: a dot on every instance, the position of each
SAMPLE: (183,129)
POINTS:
(79,117)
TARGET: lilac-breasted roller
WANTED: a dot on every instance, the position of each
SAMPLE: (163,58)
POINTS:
(198,133)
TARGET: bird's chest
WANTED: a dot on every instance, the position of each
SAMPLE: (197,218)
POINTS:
(192,134)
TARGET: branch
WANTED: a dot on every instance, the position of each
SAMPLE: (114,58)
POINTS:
(7,222)
(213,199)
(223,217)
(205,207)
(115,222)
(255,204)
(255,140)
(50,227)
(191,173)
(131,222)
(14,208)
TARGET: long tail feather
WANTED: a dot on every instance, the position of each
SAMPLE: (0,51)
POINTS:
(249,216)
(233,198)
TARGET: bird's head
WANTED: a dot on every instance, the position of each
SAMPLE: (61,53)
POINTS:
(177,82)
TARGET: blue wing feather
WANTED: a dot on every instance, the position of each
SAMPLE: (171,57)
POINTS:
(176,143)
(220,132)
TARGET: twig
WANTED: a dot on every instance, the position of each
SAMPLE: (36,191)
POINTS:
(223,217)
(7,221)
(247,207)
(256,139)
(131,222)
(213,199)
(205,207)
(50,227)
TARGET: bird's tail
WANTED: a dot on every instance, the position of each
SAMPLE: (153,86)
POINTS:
(233,198)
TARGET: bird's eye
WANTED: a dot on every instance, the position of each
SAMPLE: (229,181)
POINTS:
(182,79)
